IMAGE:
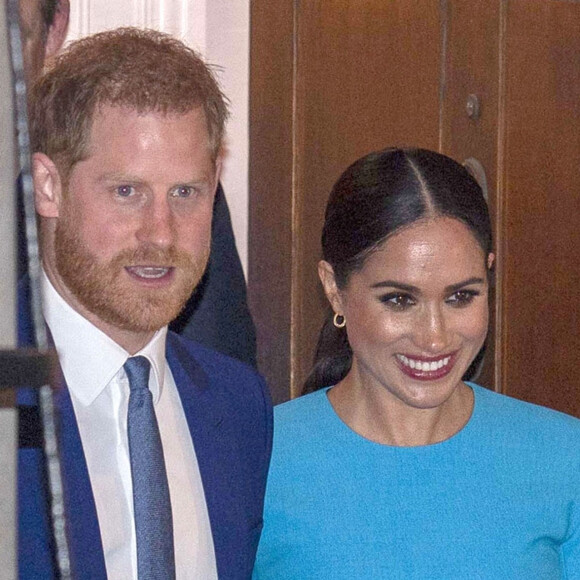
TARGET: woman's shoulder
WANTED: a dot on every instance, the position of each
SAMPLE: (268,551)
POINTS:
(304,416)
(303,407)
(524,418)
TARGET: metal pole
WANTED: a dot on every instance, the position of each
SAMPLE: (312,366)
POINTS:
(46,399)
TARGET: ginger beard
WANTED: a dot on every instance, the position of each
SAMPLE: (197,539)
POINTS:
(104,288)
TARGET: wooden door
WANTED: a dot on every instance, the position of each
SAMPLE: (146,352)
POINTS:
(330,81)
(494,83)
(540,181)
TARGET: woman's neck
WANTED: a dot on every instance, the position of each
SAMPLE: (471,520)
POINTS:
(376,414)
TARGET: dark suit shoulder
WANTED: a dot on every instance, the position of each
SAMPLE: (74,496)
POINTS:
(217,315)
(215,364)
(236,385)
(229,412)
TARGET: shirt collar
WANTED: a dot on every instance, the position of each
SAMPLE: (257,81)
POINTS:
(88,357)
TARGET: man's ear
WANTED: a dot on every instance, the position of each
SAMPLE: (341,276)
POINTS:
(58,29)
(328,279)
(47,186)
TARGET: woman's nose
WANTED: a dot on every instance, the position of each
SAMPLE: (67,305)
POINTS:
(431,334)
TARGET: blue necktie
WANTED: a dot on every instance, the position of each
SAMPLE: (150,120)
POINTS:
(151,502)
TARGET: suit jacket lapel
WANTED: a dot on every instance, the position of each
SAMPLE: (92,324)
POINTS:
(204,417)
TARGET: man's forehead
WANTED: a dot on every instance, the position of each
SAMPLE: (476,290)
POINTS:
(110,121)
(117,113)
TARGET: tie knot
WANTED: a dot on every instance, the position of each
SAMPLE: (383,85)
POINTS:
(137,369)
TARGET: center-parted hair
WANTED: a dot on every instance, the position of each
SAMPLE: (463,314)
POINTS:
(373,199)
(144,70)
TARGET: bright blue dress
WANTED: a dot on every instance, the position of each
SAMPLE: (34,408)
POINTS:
(500,500)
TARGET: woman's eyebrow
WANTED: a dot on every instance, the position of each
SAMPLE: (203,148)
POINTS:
(414,289)
(468,282)
(395,284)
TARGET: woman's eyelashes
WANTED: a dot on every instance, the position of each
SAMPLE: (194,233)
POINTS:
(462,298)
(401,301)
(398,301)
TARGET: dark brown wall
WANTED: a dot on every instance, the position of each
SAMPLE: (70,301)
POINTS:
(541,179)
(271,201)
(334,80)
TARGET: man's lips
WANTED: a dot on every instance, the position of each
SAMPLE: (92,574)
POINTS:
(426,368)
(149,272)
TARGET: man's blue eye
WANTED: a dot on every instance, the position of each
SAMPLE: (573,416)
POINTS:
(125,190)
(183,191)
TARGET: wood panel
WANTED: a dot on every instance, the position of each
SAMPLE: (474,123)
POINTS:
(472,70)
(367,78)
(541,343)
(271,198)
(330,81)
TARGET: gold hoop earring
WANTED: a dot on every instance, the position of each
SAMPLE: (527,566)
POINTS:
(339,320)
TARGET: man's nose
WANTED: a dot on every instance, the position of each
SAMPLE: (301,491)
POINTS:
(157,224)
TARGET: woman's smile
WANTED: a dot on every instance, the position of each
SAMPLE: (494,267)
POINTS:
(426,368)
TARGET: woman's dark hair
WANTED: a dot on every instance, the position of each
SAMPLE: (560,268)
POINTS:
(373,199)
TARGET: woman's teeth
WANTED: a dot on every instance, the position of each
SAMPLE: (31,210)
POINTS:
(424,365)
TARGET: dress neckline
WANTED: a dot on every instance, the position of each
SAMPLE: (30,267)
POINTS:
(342,428)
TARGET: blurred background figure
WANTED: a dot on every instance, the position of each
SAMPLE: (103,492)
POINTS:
(43,28)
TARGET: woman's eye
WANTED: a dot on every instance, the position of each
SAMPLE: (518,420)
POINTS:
(125,190)
(462,298)
(398,301)
(183,191)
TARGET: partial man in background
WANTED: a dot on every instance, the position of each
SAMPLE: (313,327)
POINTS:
(217,314)
(165,444)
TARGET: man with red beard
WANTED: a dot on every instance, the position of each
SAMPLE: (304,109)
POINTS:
(127,128)
(217,314)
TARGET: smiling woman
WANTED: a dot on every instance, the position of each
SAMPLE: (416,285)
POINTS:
(416,316)
(394,467)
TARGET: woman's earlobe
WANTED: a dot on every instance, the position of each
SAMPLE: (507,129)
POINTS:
(47,186)
(490,261)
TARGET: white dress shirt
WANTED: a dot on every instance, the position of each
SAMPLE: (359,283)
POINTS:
(92,364)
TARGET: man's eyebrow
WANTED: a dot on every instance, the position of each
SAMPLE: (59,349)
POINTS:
(120,177)
(415,290)
(134,179)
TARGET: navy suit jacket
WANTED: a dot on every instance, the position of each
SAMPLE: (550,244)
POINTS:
(229,416)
